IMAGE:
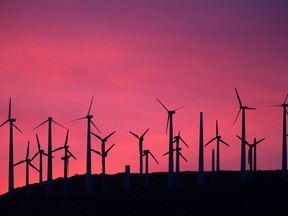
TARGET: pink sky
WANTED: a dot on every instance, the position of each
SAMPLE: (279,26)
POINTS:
(56,55)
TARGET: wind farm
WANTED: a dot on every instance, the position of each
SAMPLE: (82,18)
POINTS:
(129,66)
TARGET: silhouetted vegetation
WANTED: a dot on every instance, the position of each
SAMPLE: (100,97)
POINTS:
(265,195)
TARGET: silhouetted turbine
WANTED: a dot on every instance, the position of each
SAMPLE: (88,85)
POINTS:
(178,155)
(218,139)
(146,153)
(11,161)
(40,153)
(243,149)
(284,140)
(170,162)
(67,155)
(28,163)
(251,160)
(49,164)
(141,138)
(103,154)
(201,178)
(88,160)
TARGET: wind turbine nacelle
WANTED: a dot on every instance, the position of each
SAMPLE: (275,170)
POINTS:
(12,119)
(89,116)
(171,112)
(146,151)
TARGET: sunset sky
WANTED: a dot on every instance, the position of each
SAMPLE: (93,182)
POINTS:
(56,55)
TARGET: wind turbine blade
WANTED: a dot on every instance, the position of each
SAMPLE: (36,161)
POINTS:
(168,119)
(162,104)
(97,152)
(33,166)
(166,153)
(179,108)
(90,105)
(40,124)
(153,157)
(78,119)
(239,100)
(34,156)
(144,133)
(95,126)
(22,161)
(57,149)
(38,143)
(134,134)
(17,128)
(184,142)
(66,140)
(109,149)
(96,136)
(224,142)
(109,135)
(251,108)
(285,99)
(27,152)
(46,154)
(237,116)
(259,141)
(71,154)
(210,141)
(242,139)
(183,157)
(217,132)
(59,124)
(4,123)
(9,111)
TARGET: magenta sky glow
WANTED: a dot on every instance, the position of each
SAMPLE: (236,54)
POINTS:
(56,55)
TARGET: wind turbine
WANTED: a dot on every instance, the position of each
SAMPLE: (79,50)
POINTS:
(49,168)
(141,138)
(11,163)
(67,155)
(177,140)
(40,153)
(243,149)
(88,160)
(251,160)
(284,139)
(103,154)
(201,177)
(218,139)
(170,160)
(28,163)
(146,153)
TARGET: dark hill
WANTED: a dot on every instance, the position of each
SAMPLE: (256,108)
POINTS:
(265,195)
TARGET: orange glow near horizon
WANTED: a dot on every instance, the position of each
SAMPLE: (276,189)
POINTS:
(56,55)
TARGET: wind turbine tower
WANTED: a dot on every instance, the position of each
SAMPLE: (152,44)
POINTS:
(28,163)
(146,153)
(88,158)
(218,139)
(251,159)
(11,160)
(141,138)
(49,168)
(170,162)
(103,154)
(41,153)
(67,155)
(284,105)
(177,140)
(243,145)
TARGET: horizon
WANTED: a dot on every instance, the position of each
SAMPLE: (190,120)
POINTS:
(57,56)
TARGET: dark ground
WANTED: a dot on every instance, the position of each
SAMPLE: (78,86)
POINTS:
(265,195)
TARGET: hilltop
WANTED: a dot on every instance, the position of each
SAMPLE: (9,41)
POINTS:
(227,196)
